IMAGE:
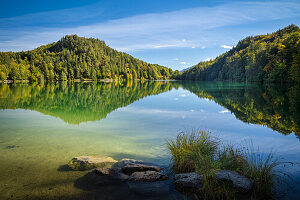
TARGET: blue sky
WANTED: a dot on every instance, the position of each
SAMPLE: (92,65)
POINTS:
(176,34)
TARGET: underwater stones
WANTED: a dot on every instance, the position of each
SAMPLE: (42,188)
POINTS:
(105,176)
(147,176)
(149,188)
(240,182)
(12,147)
(89,162)
(188,182)
(114,173)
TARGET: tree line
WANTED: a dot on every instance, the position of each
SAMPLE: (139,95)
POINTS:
(264,58)
(75,57)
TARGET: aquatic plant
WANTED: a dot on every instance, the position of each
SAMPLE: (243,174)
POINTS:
(199,151)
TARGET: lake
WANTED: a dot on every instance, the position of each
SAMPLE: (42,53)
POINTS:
(43,126)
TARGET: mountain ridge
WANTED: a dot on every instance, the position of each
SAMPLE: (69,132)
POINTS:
(263,58)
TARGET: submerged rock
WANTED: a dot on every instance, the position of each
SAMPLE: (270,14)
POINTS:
(240,182)
(147,176)
(188,182)
(12,147)
(149,188)
(114,173)
(90,162)
(106,176)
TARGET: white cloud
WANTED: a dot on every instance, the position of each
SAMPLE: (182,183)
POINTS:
(226,46)
(223,111)
(176,59)
(208,59)
(183,63)
(147,31)
(193,47)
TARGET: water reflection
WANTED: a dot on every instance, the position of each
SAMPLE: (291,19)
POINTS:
(275,106)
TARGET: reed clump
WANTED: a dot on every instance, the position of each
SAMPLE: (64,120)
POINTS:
(199,151)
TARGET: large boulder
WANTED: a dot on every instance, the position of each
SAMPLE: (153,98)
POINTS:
(188,182)
(240,182)
(147,176)
(90,162)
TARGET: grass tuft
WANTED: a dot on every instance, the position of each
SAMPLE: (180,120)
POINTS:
(199,151)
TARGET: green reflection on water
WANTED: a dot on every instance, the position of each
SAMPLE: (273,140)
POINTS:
(33,146)
(78,102)
(276,106)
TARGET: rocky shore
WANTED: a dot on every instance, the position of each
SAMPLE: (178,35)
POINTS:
(149,179)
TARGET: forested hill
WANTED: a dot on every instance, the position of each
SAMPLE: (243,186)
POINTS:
(264,58)
(75,57)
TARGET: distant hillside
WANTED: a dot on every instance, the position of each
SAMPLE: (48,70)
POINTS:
(264,58)
(75,57)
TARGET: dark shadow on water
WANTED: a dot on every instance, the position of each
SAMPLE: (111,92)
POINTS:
(107,188)
(64,168)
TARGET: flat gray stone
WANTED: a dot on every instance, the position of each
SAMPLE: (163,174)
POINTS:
(240,182)
(90,162)
(131,168)
(147,176)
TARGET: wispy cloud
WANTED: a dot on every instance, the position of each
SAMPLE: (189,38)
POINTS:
(226,46)
(224,111)
(183,28)
(183,63)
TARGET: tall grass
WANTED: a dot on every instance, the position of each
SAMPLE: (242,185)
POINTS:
(187,145)
(199,151)
(264,170)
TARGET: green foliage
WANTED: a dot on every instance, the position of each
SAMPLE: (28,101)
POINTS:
(187,146)
(200,152)
(75,57)
(264,58)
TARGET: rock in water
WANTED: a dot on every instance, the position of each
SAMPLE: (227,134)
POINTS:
(147,176)
(90,162)
(188,182)
(240,182)
(131,168)
(148,183)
